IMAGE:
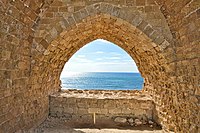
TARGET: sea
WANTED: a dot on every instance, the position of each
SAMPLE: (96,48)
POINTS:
(102,81)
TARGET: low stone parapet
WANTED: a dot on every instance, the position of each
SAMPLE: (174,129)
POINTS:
(98,106)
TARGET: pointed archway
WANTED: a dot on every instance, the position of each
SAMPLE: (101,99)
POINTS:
(147,46)
(101,65)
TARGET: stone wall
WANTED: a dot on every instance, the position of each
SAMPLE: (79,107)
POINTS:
(79,106)
(149,44)
(38,37)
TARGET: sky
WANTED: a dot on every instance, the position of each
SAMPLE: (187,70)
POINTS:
(100,56)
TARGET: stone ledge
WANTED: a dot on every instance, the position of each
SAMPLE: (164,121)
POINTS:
(81,105)
(103,94)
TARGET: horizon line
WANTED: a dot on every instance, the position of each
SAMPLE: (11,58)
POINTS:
(103,72)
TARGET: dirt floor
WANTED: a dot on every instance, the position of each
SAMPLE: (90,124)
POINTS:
(62,126)
(67,130)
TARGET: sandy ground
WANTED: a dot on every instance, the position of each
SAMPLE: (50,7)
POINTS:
(59,126)
(68,130)
(117,131)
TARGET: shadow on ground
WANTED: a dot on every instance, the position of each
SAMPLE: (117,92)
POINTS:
(65,126)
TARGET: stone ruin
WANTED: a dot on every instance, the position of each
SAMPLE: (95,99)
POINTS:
(111,108)
(38,37)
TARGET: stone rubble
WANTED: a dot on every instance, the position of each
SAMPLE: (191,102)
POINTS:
(120,120)
(134,121)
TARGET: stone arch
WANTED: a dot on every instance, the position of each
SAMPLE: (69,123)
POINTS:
(147,46)
(67,21)
(159,47)
(20,21)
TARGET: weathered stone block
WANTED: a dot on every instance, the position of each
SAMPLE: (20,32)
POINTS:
(5,55)
(53,32)
(120,120)
(115,111)
(70,20)
(137,20)
(126,111)
(68,110)
(140,2)
(146,105)
(154,35)
(94,110)
(148,30)
(84,13)
(142,25)
(83,111)
(82,105)
(64,24)
(63,9)
(91,10)
(44,43)
(151,2)
(77,16)
(130,2)
(164,45)
(116,11)
(159,40)
(104,111)
(106,8)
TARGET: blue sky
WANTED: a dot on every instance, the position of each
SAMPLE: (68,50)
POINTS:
(100,56)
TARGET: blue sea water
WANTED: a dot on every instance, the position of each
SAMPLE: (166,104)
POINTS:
(103,81)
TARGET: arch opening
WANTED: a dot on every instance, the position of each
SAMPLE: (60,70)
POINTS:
(147,54)
(101,65)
